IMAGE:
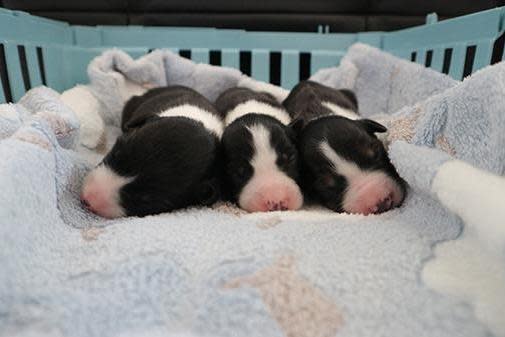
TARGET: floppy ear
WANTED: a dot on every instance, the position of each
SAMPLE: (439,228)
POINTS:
(296,126)
(209,192)
(139,121)
(351,96)
(372,126)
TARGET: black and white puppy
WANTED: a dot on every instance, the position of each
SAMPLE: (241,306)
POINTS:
(344,165)
(259,149)
(167,157)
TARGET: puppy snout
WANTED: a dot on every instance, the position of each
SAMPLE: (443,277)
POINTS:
(84,202)
(384,205)
(273,205)
(373,194)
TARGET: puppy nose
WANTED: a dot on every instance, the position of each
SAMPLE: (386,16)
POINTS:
(277,205)
(84,202)
(385,205)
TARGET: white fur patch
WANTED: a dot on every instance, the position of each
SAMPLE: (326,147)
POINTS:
(86,107)
(210,121)
(101,190)
(366,189)
(339,111)
(265,157)
(340,165)
(279,93)
(267,176)
(257,107)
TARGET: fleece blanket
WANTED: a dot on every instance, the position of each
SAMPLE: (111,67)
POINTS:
(434,267)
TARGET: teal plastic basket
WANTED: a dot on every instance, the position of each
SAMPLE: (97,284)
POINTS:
(36,51)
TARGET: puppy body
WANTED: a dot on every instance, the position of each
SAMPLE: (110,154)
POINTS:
(344,165)
(167,157)
(261,161)
(174,101)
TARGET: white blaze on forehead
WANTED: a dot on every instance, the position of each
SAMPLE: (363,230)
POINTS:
(366,189)
(265,157)
(340,111)
(101,190)
(257,107)
(267,177)
(210,121)
(340,165)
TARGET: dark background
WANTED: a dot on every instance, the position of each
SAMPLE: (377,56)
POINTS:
(266,15)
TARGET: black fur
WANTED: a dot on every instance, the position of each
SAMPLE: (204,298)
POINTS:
(174,160)
(141,109)
(304,101)
(238,144)
(235,96)
(354,140)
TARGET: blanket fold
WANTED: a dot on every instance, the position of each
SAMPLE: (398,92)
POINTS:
(218,271)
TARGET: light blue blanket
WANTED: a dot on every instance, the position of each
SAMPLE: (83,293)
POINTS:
(221,272)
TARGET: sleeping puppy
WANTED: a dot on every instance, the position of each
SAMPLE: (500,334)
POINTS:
(344,165)
(261,160)
(166,159)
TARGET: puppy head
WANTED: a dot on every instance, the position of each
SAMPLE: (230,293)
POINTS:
(155,168)
(347,168)
(261,163)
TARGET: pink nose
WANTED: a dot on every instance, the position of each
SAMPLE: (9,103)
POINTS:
(376,193)
(382,205)
(96,204)
(267,194)
(276,205)
(385,205)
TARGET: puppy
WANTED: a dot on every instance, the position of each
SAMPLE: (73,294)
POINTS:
(261,160)
(166,159)
(344,165)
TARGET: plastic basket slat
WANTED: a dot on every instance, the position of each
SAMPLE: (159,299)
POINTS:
(14,70)
(190,37)
(54,68)
(482,55)
(458,46)
(76,72)
(457,61)
(200,55)
(136,52)
(405,54)
(22,27)
(324,59)
(230,58)
(289,63)
(2,96)
(472,27)
(260,67)
(33,65)
(421,56)
(437,59)
(87,36)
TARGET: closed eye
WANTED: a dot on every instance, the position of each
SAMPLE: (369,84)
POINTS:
(287,158)
(240,171)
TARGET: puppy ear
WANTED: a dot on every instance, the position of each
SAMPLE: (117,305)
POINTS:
(139,121)
(351,96)
(209,192)
(372,126)
(296,126)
